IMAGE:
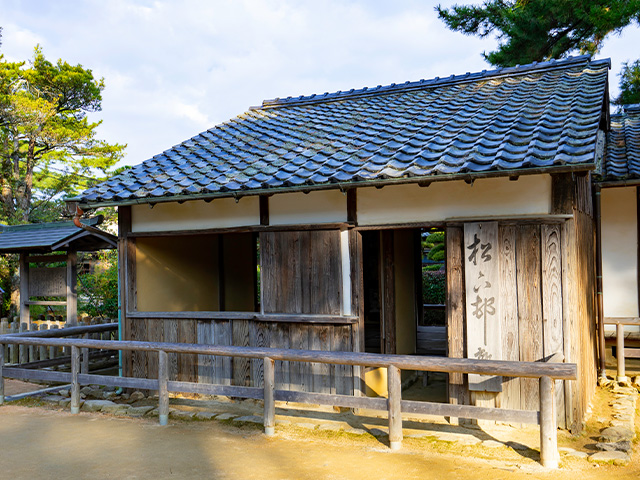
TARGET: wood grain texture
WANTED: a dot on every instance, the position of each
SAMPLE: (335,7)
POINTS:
(388,292)
(222,335)
(171,335)
(241,366)
(322,373)
(258,337)
(510,396)
(139,359)
(206,363)
(341,341)
(187,363)
(300,373)
(279,336)
(529,308)
(551,248)
(458,393)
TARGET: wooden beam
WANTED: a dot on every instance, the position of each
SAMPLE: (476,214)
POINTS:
(248,229)
(266,317)
(124,228)
(46,258)
(72,290)
(352,206)
(24,290)
(562,193)
(46,302)
(264,210)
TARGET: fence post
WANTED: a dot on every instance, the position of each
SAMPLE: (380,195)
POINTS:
(621,377)
(33,350)
(1,374)
(163,393)
(24,349)
(13,348)
(75,386)
(269,398)
(393,403)
(44,351)
(85,357)
(548,426)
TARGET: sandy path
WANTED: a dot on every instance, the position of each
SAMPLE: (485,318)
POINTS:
(41,443)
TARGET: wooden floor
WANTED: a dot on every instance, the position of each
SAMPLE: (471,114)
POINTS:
(432,340)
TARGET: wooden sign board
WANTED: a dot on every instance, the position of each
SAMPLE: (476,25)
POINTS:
(482,283)
(48,282)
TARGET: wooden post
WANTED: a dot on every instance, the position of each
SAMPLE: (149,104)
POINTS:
(1,374)
(72,293)
(84,368)
(75,386)
(33,351)
(24,289)
(269,401)
(395,414)
(548,425)
(24,349)
(163,393)
(621,377)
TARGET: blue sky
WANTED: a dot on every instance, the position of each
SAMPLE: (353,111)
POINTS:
(175,68)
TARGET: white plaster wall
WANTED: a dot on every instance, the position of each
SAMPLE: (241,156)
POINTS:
(196,215)
(325,206)
(529,195)
(619,252)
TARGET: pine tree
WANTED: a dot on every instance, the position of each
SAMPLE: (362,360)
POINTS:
(629,84)
(539,30)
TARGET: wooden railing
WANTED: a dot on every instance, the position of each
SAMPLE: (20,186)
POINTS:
(621,354)
(43,356)
(545,372)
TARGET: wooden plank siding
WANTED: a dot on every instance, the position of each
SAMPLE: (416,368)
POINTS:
(547,303)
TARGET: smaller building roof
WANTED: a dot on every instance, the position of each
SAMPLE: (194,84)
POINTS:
(622,160)
(55,236)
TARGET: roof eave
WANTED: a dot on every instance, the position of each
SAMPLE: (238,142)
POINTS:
(343,186)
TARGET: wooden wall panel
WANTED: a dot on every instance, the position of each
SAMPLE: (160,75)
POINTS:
(321,373)
(206,363)
(510,395)
(258,337)
(551,248)
(241,366)
(458,392)
(222,335)
(341,342)
(187,364)
(279,337)
(529,308)
(301,272)
(139,359)
(171,336)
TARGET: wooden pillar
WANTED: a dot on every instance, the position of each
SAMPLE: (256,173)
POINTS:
(394,385)
(75,385)
(72,291)
(621,377)
(163,393)
(125,276)
(1,374)
(387,293)
(269,397)
(24,290)
(548,425)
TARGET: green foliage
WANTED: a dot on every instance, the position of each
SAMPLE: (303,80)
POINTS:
(436,254)
(98,291)
(433,286)
(629,84)
(538,30)
(48,146)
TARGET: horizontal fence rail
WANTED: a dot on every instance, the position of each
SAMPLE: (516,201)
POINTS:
(394,405)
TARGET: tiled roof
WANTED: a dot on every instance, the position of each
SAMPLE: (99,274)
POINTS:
(622,160)
(48,237)
(539,115)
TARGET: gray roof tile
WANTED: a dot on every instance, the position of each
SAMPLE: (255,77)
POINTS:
(540,115)
(622,160)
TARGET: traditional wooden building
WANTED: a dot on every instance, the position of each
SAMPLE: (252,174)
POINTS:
(298,224)
(617,186)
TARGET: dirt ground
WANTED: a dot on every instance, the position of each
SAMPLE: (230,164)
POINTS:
(38,442)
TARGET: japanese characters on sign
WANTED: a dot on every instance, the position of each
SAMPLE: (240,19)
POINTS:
(482,270)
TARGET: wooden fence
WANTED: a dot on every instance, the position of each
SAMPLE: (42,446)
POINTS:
(394,405)
(48,356)
(621,352)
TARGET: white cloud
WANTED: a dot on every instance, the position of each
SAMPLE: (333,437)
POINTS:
(175,68)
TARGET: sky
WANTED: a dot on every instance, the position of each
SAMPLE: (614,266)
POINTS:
(173,69)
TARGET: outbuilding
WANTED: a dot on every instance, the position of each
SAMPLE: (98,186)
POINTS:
(298,225)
